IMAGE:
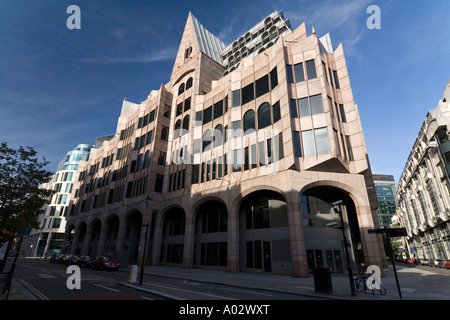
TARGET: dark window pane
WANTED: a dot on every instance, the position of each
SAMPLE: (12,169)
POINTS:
(179,108)
(293,107)
(311,69)
(188,83)
(336,80)
(290,77)
(206,139)
(249,122)
(207,115)
(198,118)
(273,78)
(316,104)
(236,98)
(303,107)
(248,94)
(218,135)
(341,109)
(264,118)
(261,153)
(322,141)
(298,71)
(262,86)
(187,104)
(276,111)
(218,109)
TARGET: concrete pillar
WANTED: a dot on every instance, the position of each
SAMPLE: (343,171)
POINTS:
(189,241)
(297,242)
(157,240)
(233,240)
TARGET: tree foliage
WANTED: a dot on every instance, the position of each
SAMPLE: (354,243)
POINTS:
(22,198)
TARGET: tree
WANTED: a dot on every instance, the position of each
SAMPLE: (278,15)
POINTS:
(22,198)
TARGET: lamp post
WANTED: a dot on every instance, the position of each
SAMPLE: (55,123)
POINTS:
(143,254)
(346,245)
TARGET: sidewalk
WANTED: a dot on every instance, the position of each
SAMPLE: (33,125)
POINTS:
(416,283)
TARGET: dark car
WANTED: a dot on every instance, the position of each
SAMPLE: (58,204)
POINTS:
(61,259)
(71,260)
(84,262)
(425,262)
(104,263)
(54,258)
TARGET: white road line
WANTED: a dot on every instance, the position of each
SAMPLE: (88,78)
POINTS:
(99,285)
(147,298)
(195,292)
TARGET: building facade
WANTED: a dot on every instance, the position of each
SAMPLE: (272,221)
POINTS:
(424,187)
(49,237)
(235,162)
(386,189)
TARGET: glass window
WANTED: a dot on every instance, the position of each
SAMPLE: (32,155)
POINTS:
(248,94)
(296,141)
(218,109)
(179,108)
(236,98)
(207,114)
(249,122)
(336,80)
(187,104)
(273,78)
(342,111)
(206,140)
(276,111)
(147,160)
(164,136)
(185,125)
(311,69)
(303,107)
(316,104)
(261,153)
(253,156)
(264,118)
(349,148)
(189,83)
(195,172)
(177,128)
(181,89)
(218,135)
(237,160)
(198,118)
(308,143)
(262,86)
(322,141)
(293,107)
(298,71)
(289,75)
(279,148)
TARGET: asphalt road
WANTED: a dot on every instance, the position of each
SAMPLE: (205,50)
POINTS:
(48,281)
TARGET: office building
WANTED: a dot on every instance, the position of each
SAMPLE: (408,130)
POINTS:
(386,189)
(234,163)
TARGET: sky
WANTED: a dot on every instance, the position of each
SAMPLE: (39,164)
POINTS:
(61,87)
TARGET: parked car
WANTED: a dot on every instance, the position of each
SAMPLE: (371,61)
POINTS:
(446,264)
(54,258)
(425,262)
(438,263)
(84,262)
(70,260)
(61,259)
(409,261)
(104,263)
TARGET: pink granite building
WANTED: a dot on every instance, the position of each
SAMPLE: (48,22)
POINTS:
(235,162)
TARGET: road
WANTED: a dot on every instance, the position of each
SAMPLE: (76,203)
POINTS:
(48,281)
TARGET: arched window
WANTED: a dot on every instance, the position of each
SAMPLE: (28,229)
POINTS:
(164,133)
(181,89)
(147,160)
(206,140)
(177,129)
(264,118)
(185,125)
(249,122)
(139,163)
(189,83)
(218,135)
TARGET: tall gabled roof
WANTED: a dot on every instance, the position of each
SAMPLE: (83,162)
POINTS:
(208,43)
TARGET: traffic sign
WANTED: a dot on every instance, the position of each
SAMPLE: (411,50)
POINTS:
(392,232)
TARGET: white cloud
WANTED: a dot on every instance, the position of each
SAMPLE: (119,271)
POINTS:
(162,55)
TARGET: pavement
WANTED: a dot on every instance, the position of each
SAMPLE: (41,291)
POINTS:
(415,282)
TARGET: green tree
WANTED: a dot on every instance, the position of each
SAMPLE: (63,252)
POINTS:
(21,197)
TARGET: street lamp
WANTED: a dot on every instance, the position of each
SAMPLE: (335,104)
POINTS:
(346,245)
(143,254)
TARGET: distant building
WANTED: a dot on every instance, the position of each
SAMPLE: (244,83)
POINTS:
(424,187)
(49,237)
(386,189)
(235,162)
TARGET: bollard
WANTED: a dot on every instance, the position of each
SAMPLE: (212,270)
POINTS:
(132,278)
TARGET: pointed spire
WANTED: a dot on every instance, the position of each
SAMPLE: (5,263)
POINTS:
(313,31)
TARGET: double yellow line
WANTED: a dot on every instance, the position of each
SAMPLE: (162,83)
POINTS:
(33,290)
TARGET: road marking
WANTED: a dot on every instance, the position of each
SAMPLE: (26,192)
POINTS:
(46,275)
(147,298)
(104,287)
(32,289)
(245,291)
(195,292)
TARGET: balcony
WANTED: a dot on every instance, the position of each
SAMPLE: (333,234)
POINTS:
(444,147)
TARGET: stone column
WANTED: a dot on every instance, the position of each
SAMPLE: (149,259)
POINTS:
(233,240)
(189,241)
(157,240)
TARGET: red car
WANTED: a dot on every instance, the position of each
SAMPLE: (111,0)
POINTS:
(446,264)
(104,263)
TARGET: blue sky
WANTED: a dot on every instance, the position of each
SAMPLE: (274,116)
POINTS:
(61,87)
